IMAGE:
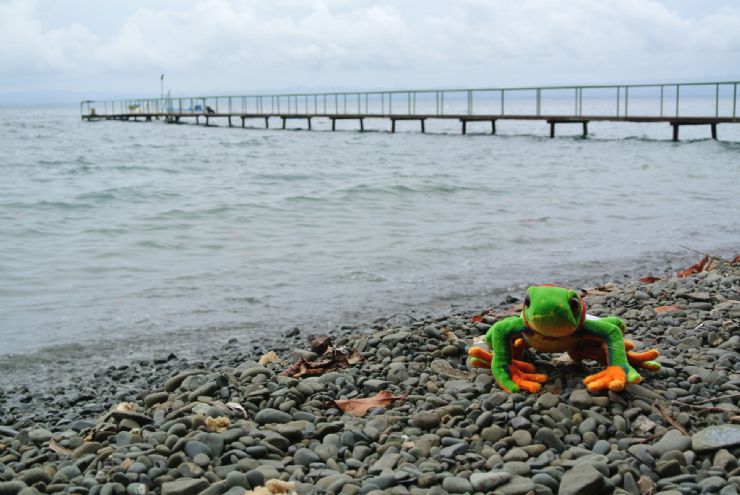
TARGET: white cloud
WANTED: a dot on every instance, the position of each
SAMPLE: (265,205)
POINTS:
(251,43)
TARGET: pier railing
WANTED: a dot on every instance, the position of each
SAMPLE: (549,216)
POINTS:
(618,102)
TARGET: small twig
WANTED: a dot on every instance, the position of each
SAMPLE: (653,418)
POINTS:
(704,408)
(666,414)
(728,396)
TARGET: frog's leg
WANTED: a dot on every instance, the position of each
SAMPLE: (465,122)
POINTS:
(481,358)
(510,374)
(642,359)
(619,372)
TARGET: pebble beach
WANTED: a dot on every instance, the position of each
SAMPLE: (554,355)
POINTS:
(234,422)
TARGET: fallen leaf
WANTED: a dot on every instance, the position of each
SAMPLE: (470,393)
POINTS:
(642,425)
(54,445)
(649,280)
(359,407)
(645,485)
(336,359)
(273,487)
(694,268)
(476,319)
(355,357)
(270,357)
(736,259)
(125,406)
(320,343)
(665,309)
(218,425)
(230,408)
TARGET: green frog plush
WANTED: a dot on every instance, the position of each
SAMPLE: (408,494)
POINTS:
(554,319)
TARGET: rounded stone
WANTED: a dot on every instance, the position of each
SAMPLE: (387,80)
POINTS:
(455,484)
(267,416)
(305,456)
(426,420)
(522,438)
(194,447)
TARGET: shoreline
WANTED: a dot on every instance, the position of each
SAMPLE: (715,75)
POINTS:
(64,364)
(454,431)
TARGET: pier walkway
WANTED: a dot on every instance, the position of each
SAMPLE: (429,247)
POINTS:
(677,104)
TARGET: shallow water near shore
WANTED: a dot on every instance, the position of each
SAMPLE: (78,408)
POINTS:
(122,238)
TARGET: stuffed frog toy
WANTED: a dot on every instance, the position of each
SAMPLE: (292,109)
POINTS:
(554,319)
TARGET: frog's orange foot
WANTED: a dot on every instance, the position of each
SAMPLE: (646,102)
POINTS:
(644,359)
(613,378)
(479,357)
(522,374)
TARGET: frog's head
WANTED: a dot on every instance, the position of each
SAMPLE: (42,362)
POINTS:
(553,311)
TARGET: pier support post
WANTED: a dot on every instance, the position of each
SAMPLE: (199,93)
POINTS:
(229,120)
(362,125)
(197,120)
(714,131)
(243,119)
(552,130)
(464,126)
(267,122)
(283,122)
(393,125)
(422,126)
(585,129)
(148,118)
(675,132)
(207,118)
(493,127)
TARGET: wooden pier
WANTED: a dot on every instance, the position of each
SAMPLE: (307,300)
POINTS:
(552,105)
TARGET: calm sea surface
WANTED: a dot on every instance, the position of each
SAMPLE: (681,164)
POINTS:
(146,234)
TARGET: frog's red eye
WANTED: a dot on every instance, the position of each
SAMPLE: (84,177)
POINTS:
(575,305)
(527,301)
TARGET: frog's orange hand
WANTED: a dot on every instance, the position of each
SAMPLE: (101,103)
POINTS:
(522,373)
(641,359)
(479,357)
(613,378)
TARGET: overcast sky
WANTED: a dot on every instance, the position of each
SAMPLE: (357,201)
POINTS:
(240,46)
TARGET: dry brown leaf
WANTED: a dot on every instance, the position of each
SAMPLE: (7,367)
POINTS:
(54,445)
(665,309)
(359,407)
(320,343)
(218,425)
(698,267)
(649,280)
(355,357)
(270,357)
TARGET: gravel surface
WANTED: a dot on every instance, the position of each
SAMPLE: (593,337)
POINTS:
(226,424)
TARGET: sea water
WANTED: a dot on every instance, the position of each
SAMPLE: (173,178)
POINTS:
(121,237)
